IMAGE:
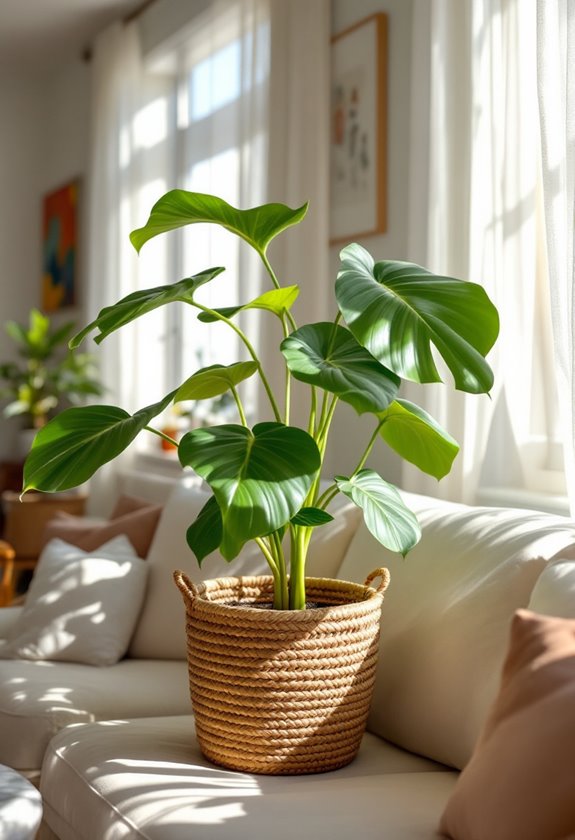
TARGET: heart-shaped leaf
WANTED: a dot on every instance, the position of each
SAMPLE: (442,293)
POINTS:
(69,449)
(397,310)
(113,317)
(205,534)
(311,517)
(214,380)
(329,357)
(177,208)
(259,477)
(277,301)
(417,437)
(384,512)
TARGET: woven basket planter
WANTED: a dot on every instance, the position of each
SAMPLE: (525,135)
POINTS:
(281,691)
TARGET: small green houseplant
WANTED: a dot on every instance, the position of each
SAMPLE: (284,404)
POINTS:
(47,373)
(265,479)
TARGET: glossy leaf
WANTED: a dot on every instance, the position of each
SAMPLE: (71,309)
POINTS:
(329,357)
(69,449)
(416,436)
(111,318)
(397,310)
(277,301)
(260,477)
(205,534)
(384,512)
(258,225)
(311,517)
(214,380)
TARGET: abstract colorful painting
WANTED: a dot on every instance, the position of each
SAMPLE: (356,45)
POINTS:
(60,222)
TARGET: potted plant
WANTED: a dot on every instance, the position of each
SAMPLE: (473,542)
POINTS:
(265,478)
(47,373)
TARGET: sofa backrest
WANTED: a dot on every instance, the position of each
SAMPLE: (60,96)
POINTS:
(446,617)
(160,632)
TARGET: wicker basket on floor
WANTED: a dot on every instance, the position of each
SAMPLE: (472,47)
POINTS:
(281,691)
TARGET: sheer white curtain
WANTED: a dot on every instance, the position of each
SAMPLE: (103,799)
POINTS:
(299,162)
(556,88)
(481,212)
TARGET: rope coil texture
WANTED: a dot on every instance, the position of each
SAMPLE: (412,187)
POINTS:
(281,691)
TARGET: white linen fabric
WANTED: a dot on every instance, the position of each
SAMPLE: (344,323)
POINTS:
(81,606)
(446,616)
(554,592)
(20,806)
(108,770)
(37,699)
(476,139)
(556,93)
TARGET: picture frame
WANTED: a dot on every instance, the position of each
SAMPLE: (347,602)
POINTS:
(358,136)
(60,247)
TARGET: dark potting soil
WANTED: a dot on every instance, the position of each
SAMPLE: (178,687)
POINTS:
(267,605)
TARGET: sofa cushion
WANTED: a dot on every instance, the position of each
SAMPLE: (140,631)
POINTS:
(521,778)
(81,606)
(554,592)
(148,779)
(37,699)
(160,633)
(446,615)
(138,524)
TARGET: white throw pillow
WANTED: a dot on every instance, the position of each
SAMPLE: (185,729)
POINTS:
(554,592)
(81,606)
(446,615)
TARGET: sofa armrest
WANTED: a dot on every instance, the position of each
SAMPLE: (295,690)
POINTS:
(8,617)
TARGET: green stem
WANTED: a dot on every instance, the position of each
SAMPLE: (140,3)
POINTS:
(288,379)
(297,597)
(368,448)
(283,596)
(250,350)
(270,270)
(239,407)
(161,435)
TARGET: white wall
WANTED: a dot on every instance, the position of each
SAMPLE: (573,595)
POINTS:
(43,143)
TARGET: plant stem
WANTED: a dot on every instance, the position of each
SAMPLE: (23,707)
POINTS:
(297,598)
(270,270)
(283,596)
(250,350)
(368,448)
(288,378)
(239,407)
(161,435)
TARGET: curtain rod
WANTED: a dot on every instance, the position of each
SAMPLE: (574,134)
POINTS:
(135,13)
(128,18)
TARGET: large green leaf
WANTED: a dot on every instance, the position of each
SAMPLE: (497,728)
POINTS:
(384,512)
(329,357)
(205,534)
(259,477)
(417,437)
(113,317)
(69,449)
(397,310)
(178,208)
(214,380)
(277,301)
(311,517)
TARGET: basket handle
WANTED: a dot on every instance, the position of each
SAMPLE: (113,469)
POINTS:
(185,585)
(385,578)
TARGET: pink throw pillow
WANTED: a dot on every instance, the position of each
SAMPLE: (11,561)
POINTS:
(520,781)
(139,526)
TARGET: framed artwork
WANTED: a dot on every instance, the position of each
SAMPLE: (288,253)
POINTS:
(358,146)
(59,247)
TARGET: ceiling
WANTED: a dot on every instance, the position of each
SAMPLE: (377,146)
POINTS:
(40,35)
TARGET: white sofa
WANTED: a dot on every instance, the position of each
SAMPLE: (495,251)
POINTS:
(130,767)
